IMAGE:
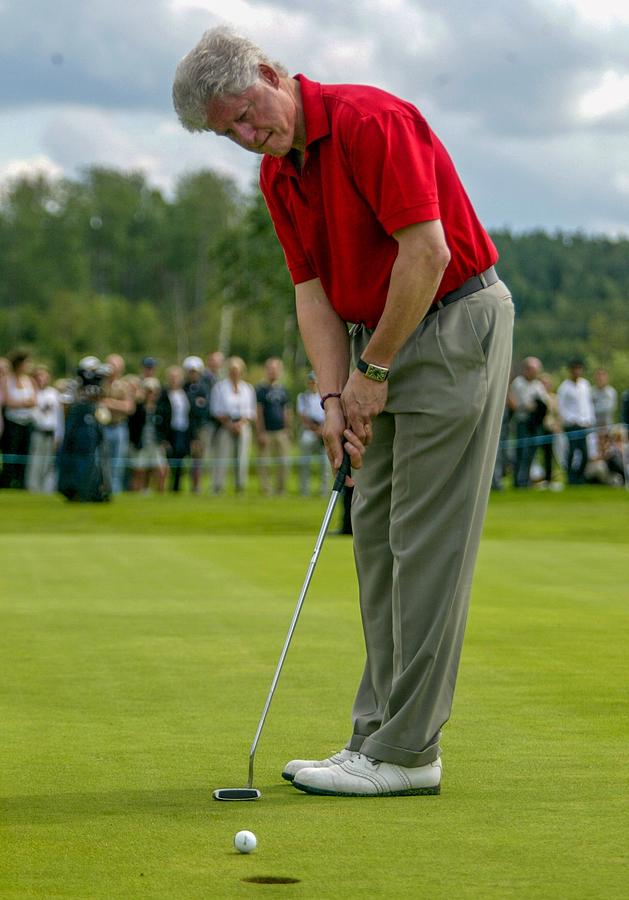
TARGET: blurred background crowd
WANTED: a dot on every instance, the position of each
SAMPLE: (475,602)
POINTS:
(203,426)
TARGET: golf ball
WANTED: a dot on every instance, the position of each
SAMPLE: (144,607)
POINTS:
(245,841)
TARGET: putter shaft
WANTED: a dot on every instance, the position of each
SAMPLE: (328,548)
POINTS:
(339,483)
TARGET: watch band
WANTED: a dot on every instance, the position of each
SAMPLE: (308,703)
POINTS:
(369,370)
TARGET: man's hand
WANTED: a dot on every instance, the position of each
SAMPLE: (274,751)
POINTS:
(362,400)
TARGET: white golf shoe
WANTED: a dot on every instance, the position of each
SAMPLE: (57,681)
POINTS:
(295,765)
(362,776)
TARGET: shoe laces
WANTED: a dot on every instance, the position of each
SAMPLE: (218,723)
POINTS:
(370,759)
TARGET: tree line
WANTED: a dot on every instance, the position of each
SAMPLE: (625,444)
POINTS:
(108,262)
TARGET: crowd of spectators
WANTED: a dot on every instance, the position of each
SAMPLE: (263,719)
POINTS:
(198,423)
(200,418)
(575,434)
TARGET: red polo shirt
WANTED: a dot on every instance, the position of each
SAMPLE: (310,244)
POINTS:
(372,165)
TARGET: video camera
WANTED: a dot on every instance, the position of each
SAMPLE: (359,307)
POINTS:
(90,374)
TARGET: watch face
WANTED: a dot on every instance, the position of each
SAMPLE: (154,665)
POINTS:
(376,373)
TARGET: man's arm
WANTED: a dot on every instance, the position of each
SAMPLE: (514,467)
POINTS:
(422,258)
(326,343)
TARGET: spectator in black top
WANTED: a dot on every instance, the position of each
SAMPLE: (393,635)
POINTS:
(172,423)
(624,408)
(147,454)
(20,399)
(273,423)
(198,394)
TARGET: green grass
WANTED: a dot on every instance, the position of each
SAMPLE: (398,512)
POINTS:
(138,640)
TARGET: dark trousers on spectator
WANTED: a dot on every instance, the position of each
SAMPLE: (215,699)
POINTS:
(576,443)
(179,450)
(16,441)
(524,453)
(547,454)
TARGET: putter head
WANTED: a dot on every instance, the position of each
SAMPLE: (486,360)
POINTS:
(236,794)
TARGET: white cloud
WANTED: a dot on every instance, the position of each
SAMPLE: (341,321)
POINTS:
(601,13)
(75,137)
(610,96)
(621,182)
(30,168)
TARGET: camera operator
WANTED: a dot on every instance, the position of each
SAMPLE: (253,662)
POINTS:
(83,463)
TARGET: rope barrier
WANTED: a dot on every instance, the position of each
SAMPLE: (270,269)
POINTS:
(208,463)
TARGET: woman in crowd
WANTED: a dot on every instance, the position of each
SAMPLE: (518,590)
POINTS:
(172,423)
(41,471)
(19,402)
(233,403)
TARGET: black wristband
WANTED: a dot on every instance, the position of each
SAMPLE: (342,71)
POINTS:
(327,397)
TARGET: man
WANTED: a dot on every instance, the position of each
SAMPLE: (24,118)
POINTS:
(529,402)
(148,367)
(605,401)
(273,424)
(378,231)
(311,446)
(212,374)
(576,411)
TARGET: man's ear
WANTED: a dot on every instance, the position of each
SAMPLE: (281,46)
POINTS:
(268,74)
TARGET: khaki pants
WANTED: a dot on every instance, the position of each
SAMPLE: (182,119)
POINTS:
(232,452)
(417,515)
(275,456)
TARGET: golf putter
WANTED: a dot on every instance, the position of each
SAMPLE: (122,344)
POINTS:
(249,792)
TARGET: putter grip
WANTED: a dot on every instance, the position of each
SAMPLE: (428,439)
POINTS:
(344,470)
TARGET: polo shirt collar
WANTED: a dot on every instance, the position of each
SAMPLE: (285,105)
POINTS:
(315,116)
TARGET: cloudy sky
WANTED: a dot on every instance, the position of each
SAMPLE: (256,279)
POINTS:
(530,96)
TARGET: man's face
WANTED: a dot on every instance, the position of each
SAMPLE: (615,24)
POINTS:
(273,369)
(215,362)
(576,372)
(262,119)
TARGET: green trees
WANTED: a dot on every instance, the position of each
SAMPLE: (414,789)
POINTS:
(571,294)
(108,262)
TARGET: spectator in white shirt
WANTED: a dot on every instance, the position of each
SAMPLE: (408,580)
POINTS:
(576,411)
(233,403)
(605,399)
(41,471)
(529,402)
(311,446)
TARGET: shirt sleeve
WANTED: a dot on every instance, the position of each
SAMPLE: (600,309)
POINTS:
(298,266)
(392,156)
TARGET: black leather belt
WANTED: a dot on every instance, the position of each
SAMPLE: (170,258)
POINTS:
(476,283)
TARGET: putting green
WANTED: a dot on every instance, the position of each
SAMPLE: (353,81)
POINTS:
(138,642)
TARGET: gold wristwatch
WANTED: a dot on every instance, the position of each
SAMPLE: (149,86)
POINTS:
(376,373)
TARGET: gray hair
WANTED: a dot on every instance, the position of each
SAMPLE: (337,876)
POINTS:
(222,63)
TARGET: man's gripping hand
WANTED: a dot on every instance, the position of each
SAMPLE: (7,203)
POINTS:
(361,401)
